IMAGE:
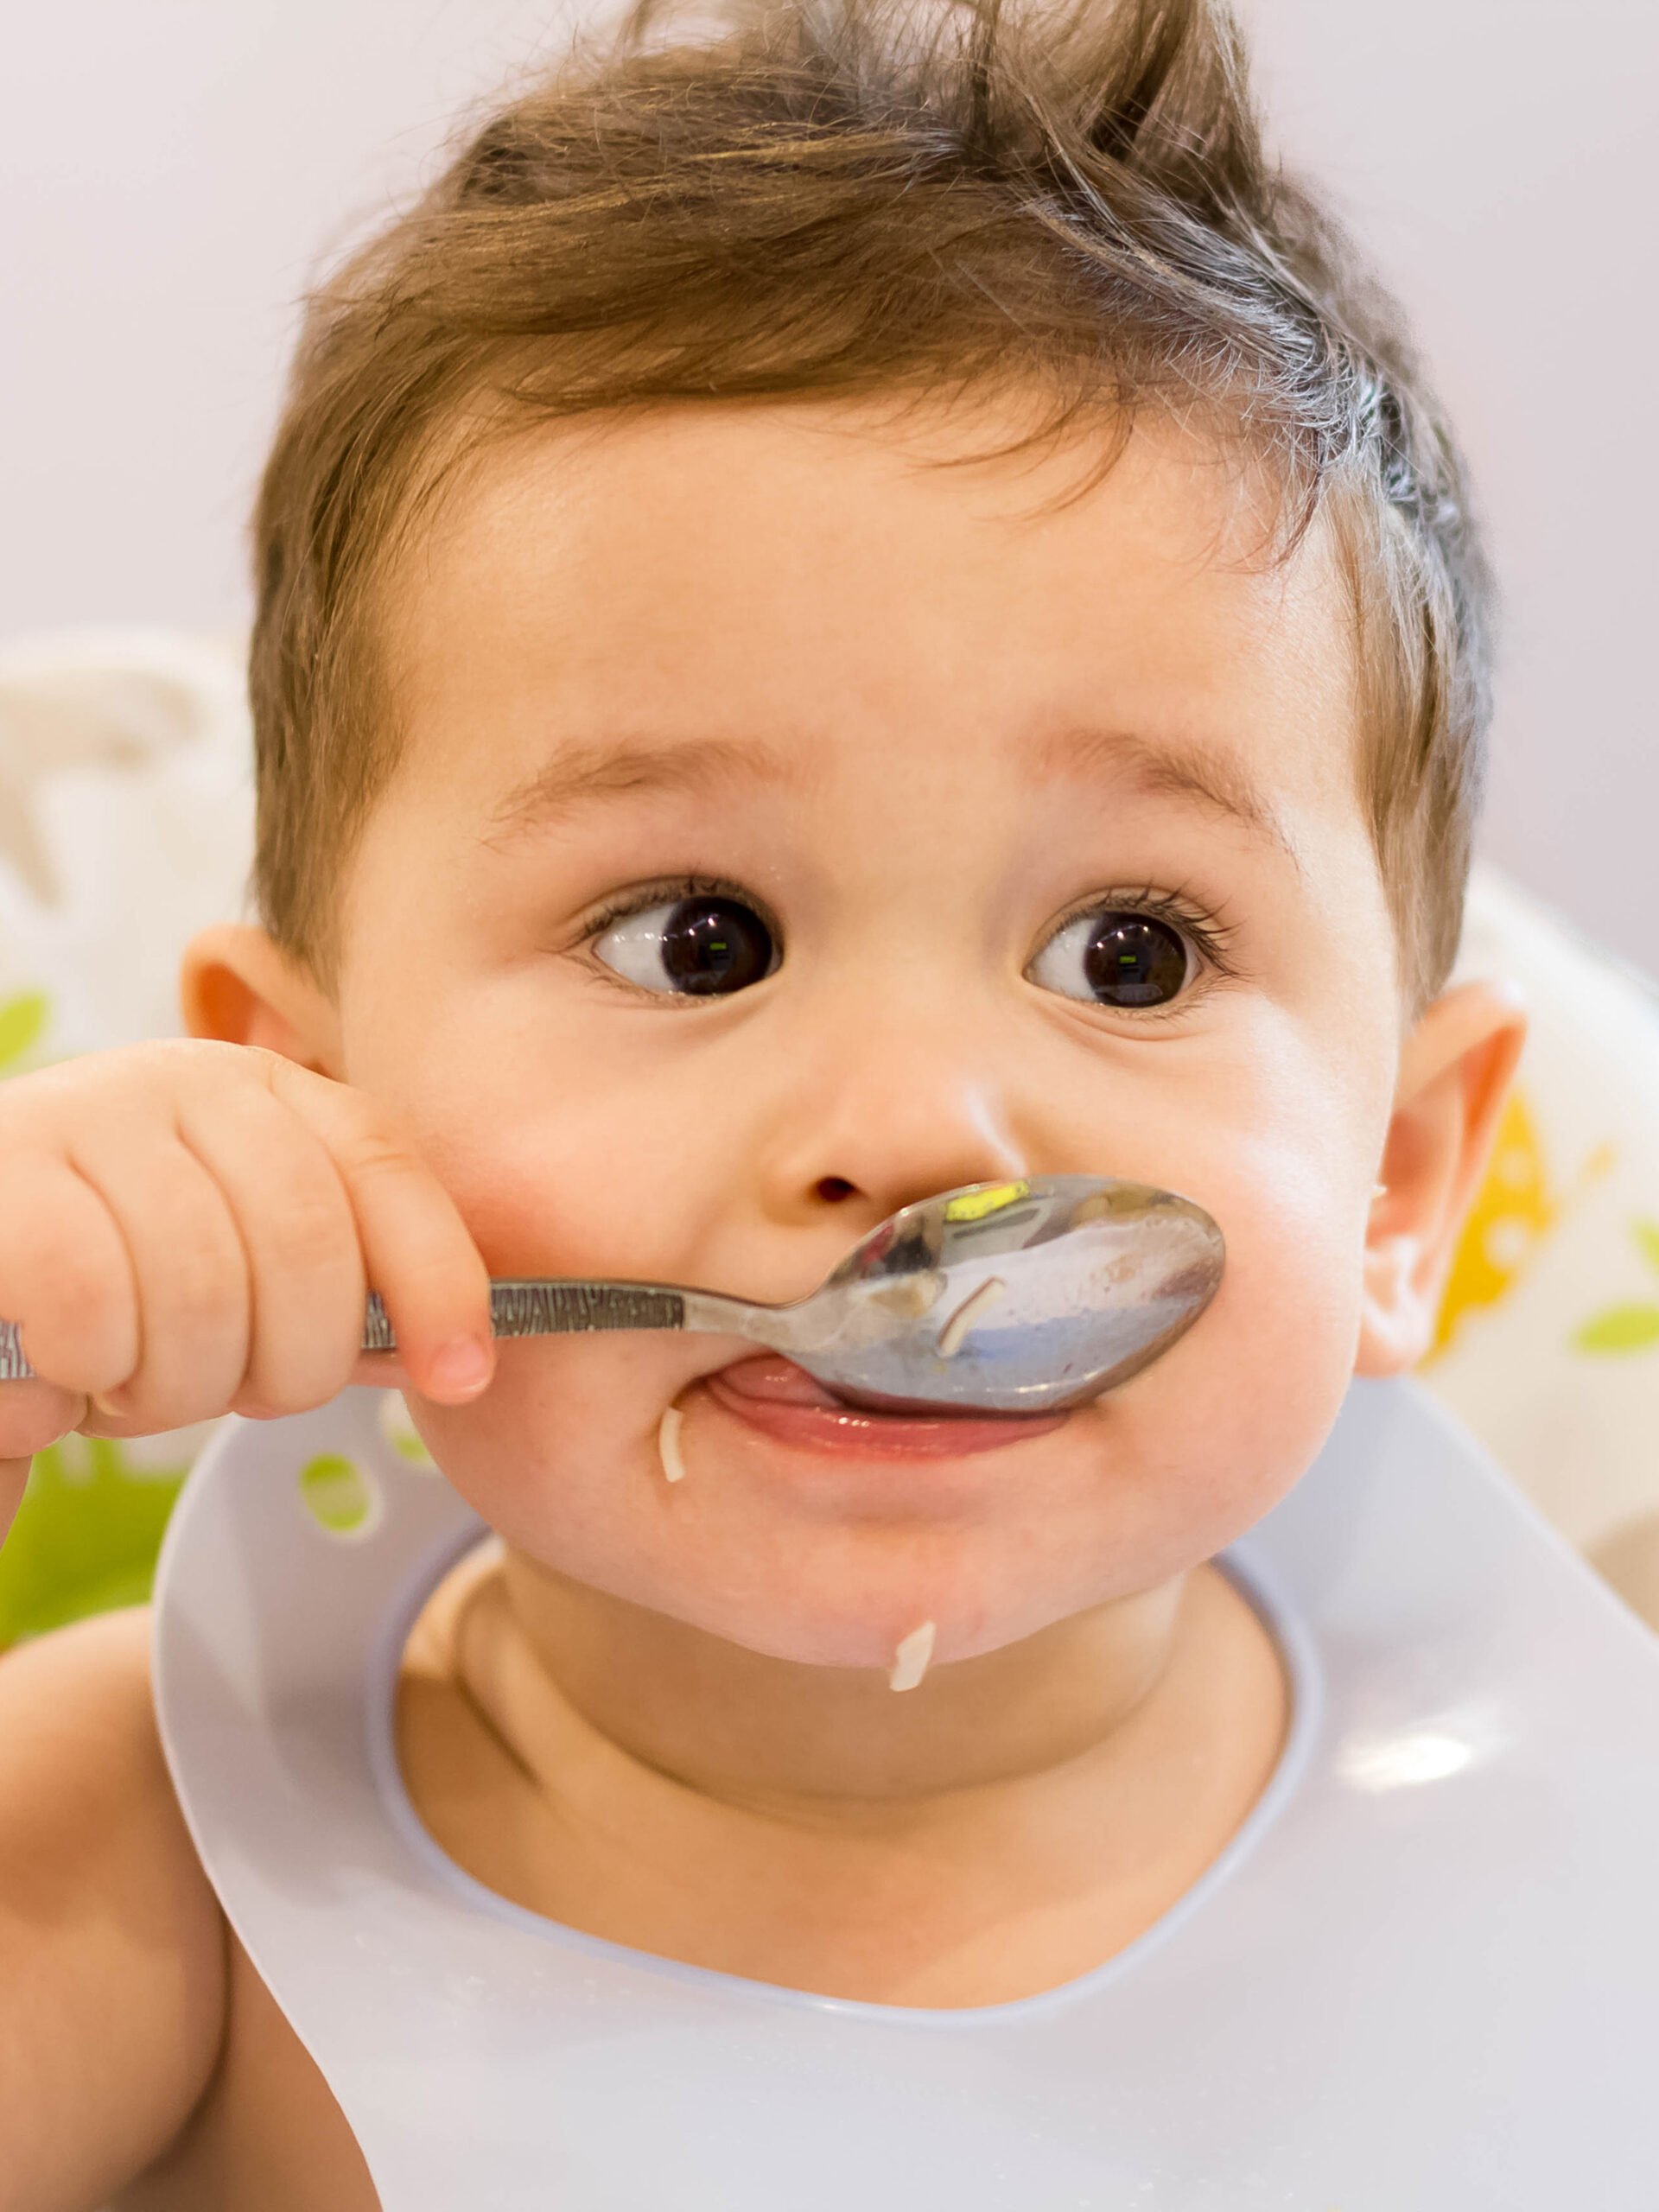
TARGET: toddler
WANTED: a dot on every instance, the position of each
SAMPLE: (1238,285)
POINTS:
(856,603)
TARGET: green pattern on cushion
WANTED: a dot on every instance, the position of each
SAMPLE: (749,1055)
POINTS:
(1620,1328)
(1633,1325)
(22,1024)
(85,1539)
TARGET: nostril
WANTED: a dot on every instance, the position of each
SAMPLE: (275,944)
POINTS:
(832,1188)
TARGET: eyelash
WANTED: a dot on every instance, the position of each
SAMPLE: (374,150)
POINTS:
(1201,925)
(658,895)
(669,889)
(1209,935)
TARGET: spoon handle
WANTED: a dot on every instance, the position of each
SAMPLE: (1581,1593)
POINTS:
(575,1306)
(530,1308)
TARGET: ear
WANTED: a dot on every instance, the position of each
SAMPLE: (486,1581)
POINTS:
(1455,1070)
(237,984)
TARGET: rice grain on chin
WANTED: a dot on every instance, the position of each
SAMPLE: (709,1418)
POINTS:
(910,1661)
(668,1445)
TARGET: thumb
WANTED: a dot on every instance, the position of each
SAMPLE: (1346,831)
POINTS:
(32,1415)
(14,1477)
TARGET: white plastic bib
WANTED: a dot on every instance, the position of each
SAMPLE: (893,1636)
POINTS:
(1423,1978)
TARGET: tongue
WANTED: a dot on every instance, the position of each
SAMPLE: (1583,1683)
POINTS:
(779,1382)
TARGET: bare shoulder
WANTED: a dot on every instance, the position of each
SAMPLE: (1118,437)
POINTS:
(268,2136)
(78,1719)
(143,2061)
(111,1942)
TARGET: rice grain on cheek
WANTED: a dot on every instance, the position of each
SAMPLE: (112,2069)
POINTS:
(668,1445)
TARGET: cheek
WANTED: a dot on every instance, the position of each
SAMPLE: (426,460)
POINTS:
(1239,1410)
(620,1169)
(1236,1413)
(560,1455)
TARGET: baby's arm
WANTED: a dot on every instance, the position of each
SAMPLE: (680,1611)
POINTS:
(112,1945)
(185,1228)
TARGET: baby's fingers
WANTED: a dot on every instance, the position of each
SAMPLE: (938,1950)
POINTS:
(14,1480)
(299,1235)
(36,1415)
(33,1415)
(187,1260)
(419,1255)
(65,1275)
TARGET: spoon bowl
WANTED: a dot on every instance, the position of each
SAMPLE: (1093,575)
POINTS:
(1017,1297)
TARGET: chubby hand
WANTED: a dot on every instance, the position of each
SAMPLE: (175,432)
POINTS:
(189,1228)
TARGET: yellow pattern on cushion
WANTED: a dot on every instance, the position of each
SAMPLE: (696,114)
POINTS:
(1514,1210)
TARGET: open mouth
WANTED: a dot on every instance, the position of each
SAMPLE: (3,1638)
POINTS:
(782,1400)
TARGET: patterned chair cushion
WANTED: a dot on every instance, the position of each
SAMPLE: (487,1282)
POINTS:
(125,824)
(1548,1338)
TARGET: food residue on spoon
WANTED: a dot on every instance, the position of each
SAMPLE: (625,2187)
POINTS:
(910,1661)
(976,1302)
(668,1445)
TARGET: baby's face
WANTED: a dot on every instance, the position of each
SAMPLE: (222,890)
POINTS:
(790,828)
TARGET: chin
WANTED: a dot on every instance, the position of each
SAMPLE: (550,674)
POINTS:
(829,1593)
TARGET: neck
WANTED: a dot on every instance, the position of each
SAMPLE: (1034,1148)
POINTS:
(1014,1820)
(737,1727)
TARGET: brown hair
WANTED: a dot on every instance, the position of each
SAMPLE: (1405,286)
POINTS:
(848,197)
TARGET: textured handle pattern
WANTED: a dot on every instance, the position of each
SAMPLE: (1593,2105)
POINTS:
(517,1309)
(556,1309)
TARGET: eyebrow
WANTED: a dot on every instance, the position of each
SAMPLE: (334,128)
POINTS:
(595,771)
(1195,773)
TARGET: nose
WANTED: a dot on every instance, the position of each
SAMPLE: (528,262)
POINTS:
(876,1121)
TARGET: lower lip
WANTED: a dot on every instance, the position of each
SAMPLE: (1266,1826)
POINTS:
(775,1397)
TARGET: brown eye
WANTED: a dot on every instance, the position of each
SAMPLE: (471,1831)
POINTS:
(698,947)
(1116,958)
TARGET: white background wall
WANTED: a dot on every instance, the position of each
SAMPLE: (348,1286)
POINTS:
(172,170)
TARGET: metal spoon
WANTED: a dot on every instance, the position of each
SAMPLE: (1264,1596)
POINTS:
(999,1298)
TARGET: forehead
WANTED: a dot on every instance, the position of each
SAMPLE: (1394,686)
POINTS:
(801,576)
